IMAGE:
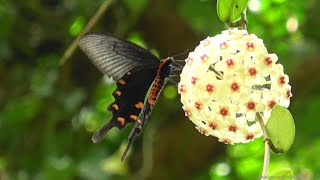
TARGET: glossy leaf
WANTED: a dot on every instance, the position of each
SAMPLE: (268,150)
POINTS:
(229,11)
(281,129)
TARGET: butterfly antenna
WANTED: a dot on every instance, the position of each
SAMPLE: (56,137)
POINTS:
(98,136)
(177,65)
(174,72)
(187,50)
(179,60)
(130,140)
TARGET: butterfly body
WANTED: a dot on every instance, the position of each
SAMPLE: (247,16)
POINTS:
(139,76)
(163,72)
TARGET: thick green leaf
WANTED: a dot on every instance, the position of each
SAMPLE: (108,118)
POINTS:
(229,11)
(281,129)
(284,173)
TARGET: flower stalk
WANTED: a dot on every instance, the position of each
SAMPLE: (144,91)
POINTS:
(266,140)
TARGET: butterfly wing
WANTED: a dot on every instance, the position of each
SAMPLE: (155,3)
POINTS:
(115,57)
(134,69)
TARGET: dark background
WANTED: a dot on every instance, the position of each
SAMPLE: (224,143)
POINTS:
(48,111)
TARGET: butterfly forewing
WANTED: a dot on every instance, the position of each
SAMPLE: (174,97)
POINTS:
(115,57)
(134,69)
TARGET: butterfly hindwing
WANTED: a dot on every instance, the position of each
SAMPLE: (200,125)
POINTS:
(115,57)
(129,96)
(129,100)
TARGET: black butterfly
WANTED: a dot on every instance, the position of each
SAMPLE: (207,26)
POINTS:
(140,78)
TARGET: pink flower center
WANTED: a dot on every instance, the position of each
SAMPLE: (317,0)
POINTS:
(271,104)
(251,105)
(223,45)
(213,125)
(187,112)
(226,141)
(204,57)
(230,63)
(232,128)
(252,72)
(282,80)
(289,94)
(249,136)
(224,111)
(182,88)
(209,87)
(193,80)
(202,131)
(250,45)
(198,105)
(268,60)
(234,86)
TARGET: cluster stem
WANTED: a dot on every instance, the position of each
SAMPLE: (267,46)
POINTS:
(266,140)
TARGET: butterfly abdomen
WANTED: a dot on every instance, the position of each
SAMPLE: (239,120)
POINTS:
(155,89)
(159,81)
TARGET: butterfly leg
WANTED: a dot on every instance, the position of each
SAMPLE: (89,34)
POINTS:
(170,78)
(134,132)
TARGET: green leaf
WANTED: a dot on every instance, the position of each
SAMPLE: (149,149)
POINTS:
(281,129)
(229,11)
(77,26)
(284,173)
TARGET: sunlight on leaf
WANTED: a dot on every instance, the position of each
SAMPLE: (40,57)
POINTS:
(229,11)
(284,173)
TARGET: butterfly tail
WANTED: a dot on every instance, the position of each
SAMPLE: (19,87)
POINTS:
(137,129)
(98,136)
(130,140)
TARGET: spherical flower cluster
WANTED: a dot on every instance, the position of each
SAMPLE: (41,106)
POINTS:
(227,80)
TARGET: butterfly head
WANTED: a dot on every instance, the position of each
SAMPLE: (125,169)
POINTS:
(169,59)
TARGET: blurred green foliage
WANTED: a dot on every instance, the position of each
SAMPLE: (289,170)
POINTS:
(48,112)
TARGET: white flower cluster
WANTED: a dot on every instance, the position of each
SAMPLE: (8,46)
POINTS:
(227,80)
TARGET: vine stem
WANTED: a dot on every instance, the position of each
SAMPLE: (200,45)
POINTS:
(68,53)
(266,159)
(242,23)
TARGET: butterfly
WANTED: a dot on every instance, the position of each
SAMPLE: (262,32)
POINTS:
(140,77)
